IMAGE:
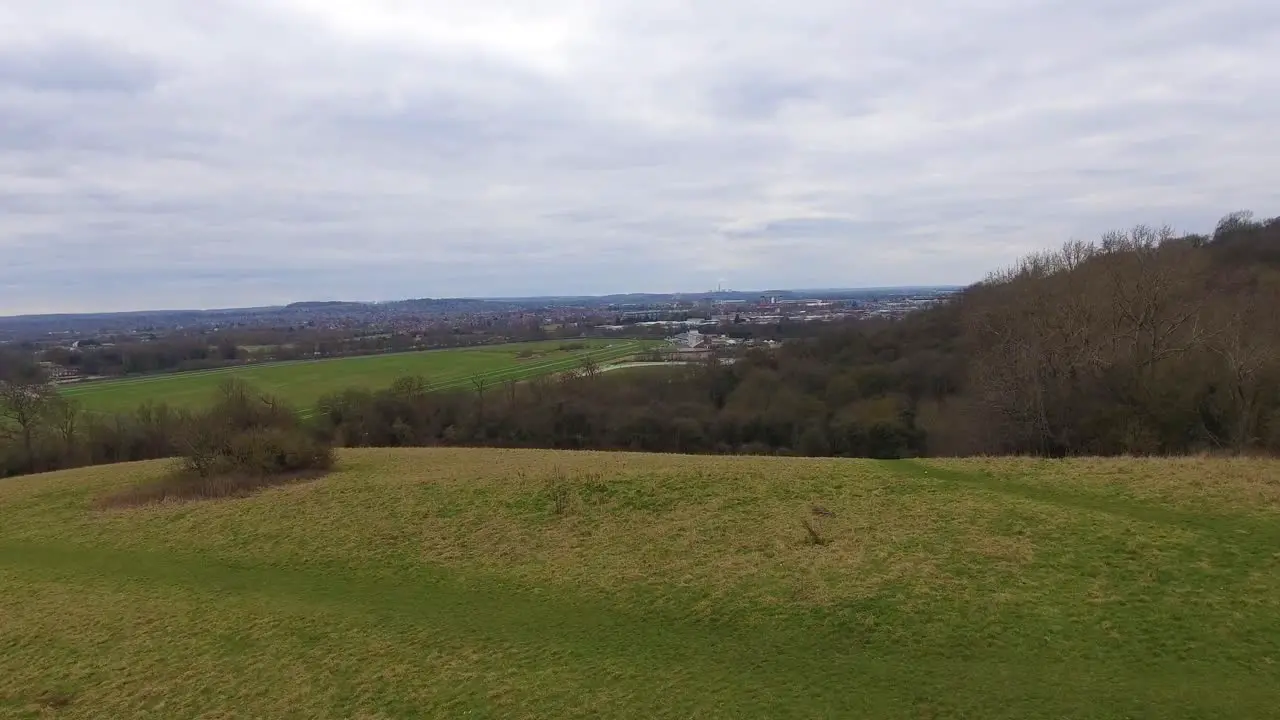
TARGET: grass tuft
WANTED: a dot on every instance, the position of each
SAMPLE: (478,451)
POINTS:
(813,536)
(560,493)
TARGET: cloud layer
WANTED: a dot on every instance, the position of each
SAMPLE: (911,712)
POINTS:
(231,152)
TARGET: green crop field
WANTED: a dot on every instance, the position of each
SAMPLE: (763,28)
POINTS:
(304,382)
(508,584)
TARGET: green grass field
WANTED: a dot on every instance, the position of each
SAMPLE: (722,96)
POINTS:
(444,583)
(303,383)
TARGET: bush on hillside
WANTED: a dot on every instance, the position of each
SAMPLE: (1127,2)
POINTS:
(253,434)
(255,452)
(244,442)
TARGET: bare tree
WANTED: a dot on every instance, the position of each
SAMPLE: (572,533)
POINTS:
(201,442)
(1080,344)
(590,367)
(539,388)
(1244,342)
(1156,306)
(410,387)
(1235,222)
(480,384)
(24,409)
(64,418)
(1036,347)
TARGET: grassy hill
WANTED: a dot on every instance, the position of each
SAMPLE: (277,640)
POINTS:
(482,583)
(304,382)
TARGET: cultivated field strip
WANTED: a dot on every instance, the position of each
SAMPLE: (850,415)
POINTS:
(304,382)
(89,388)
(523,372)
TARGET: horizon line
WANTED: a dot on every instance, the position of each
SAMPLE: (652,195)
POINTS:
(480,298)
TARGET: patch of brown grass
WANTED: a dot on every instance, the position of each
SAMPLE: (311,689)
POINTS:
(55,699)
(1002,548)
(726,528)
(184,486)
(1197,483)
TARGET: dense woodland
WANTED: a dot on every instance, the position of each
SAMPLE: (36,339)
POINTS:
(1146,342)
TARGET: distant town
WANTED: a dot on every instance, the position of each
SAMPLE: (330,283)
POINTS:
(76,346)
(400,315)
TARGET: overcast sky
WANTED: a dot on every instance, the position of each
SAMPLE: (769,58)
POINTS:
(228,153)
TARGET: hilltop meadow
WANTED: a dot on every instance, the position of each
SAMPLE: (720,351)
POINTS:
(520,583)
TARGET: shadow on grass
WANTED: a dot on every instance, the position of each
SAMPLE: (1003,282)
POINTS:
(182,486)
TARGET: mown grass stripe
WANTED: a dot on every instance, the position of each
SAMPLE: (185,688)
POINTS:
(775,670)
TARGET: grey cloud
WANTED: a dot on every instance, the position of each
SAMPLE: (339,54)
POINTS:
(756,96)
(236,153)
(815,227)
(75,67)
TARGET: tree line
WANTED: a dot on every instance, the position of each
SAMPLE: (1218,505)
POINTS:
(1145,342)
(1148,342)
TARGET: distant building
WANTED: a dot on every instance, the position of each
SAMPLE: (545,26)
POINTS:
(690,353)
(642,315)
(691,339)
(58,373)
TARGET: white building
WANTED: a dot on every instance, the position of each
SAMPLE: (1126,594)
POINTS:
(690,339)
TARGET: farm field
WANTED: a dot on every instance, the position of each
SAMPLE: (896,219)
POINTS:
(304,382)
(504,584)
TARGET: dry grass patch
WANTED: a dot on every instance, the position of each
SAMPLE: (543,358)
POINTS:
(720,528)
(183,486)
(1223,484)
(1012,550)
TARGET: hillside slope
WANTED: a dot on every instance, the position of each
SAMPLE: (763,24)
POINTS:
(483,583)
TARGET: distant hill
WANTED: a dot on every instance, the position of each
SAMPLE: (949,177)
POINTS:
(31,326)
(306,305)
(735,295)
(324,305)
